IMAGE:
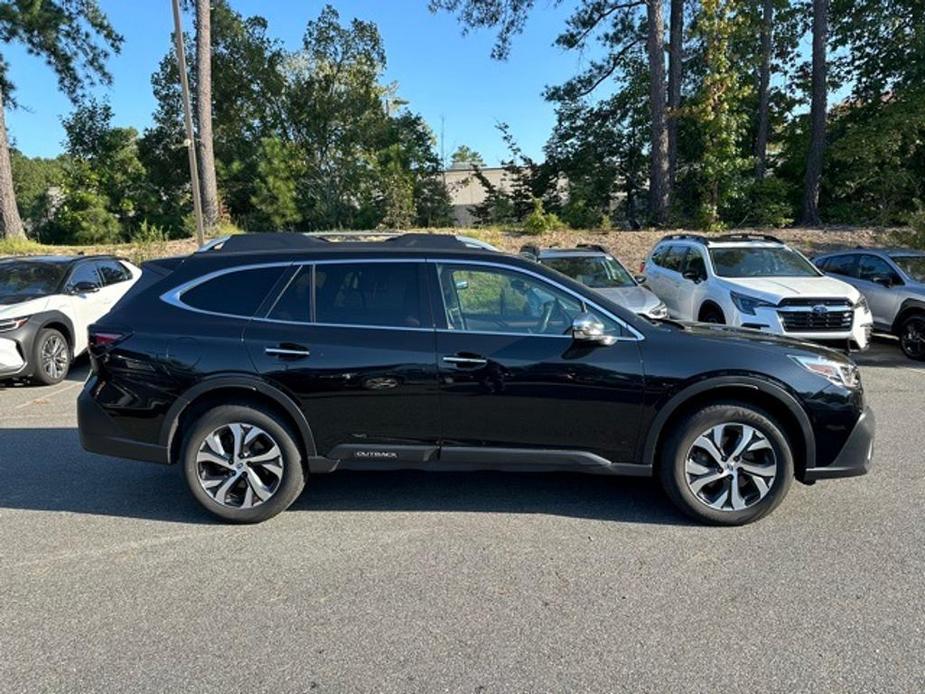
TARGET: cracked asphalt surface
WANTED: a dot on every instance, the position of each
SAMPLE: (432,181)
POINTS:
(113,578)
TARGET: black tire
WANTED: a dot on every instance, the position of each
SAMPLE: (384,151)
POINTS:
(287,488)
(673,464)
(51,357)
(712,314)
(912,336)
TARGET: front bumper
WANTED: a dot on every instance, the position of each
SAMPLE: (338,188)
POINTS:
(856,455)
(11,359)
(769,320)
(100,434)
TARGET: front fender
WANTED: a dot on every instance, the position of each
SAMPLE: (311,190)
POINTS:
(753,383)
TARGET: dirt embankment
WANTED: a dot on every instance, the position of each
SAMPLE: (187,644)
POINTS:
(630,246)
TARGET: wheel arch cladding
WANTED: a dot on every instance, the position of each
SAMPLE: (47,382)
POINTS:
(908,308)
(237,390)
(58,321)
(710,305)
(766,396)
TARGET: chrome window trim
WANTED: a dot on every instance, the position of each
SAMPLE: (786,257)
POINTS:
(174,296)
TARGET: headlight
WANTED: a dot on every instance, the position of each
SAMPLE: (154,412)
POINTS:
(862,304)
(7,324)
(839,373)
(748,304)
(657,312)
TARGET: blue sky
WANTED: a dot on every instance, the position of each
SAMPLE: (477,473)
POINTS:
(441,72)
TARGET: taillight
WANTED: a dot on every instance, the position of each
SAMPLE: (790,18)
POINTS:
(642,266)
(104,338)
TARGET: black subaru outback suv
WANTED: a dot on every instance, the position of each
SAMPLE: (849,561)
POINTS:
(274,357)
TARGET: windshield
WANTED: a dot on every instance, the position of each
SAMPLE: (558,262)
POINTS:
(597,272)
(752,261)
(912,265)
(29,278)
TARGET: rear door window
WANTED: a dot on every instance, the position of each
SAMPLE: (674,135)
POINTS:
(844,265)
(235,293)
(674,259)
(113,272)
(369,294)
(85,272)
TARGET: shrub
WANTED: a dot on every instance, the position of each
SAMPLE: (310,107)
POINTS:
(540,221)
(83,219)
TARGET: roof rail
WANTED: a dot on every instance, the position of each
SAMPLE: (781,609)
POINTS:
(686,237)
(274,241)
(593,247)
(747,237)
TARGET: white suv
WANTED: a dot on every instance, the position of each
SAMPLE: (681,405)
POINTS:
(46,305)
(755,281)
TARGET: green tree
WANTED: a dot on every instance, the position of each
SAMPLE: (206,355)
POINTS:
(275,195)
(619,26)
(716,110)
(75,38)
(465,156)
(34,179)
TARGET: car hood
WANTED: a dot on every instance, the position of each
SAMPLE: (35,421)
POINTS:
(636,299)
(774,289)
(756,338)
(13,306)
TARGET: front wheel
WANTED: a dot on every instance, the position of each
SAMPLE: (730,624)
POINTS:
(52,357)
(912,337)
(242,463)
(727,464)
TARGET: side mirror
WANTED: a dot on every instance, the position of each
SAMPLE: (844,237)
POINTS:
(641,279)
(883,280)
(693,276)
(84,288)
(587,328)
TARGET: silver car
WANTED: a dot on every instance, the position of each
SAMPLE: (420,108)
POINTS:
(893,281)
(594,267)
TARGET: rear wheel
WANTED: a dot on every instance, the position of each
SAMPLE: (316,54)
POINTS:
(912,337)
(242,463)
(727,464)
(51,356)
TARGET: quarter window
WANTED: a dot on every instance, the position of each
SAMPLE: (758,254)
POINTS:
(375,294)
(237,293)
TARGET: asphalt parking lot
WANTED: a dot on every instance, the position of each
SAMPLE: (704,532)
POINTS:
(114,579)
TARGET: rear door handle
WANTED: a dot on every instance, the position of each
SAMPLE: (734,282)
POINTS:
(466,361)
(288,352)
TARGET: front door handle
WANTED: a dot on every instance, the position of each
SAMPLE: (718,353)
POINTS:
(287,351)
(465,361)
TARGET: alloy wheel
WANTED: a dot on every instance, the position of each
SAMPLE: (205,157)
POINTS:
(54,357)
(239,465)
(913,338)
(731,467)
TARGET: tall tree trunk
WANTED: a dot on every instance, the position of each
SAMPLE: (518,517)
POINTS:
(10,223)
(817,114)
(658,171)
(764,85)
(204,112)
(675,61)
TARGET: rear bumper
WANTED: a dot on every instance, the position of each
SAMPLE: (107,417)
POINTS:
(856,455)
(100,434)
